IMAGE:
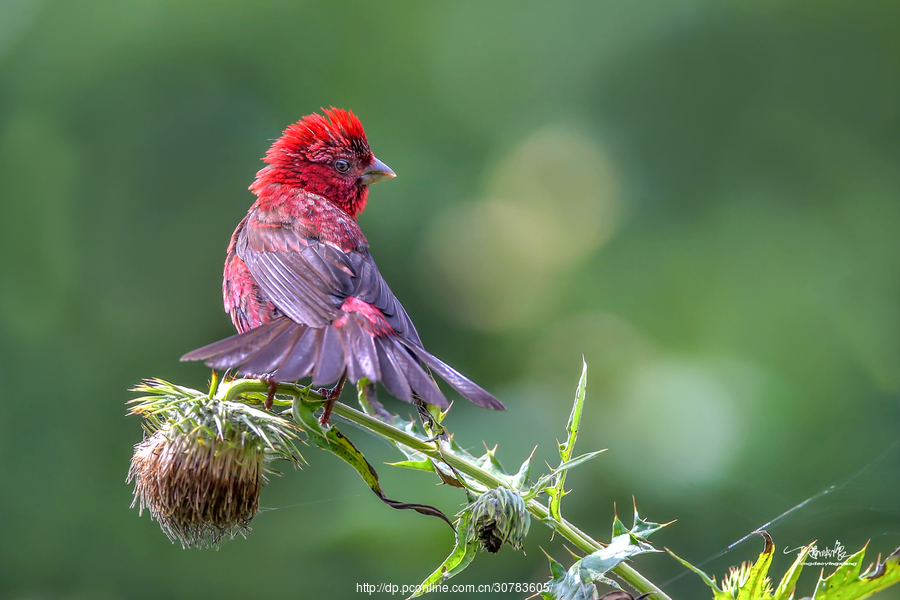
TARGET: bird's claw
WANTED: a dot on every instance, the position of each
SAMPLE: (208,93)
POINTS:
(331,395)
(273,387)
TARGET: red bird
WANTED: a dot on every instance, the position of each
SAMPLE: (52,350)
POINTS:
(301,287)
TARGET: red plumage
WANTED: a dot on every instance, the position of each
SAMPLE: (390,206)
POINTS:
(299,282)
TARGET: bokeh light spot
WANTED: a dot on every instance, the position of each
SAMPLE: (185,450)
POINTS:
(677,424)
(550,202)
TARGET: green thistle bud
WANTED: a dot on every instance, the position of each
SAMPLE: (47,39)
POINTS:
(200,470)
(499,517)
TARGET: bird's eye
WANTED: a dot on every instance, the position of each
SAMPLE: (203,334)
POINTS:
(341,165)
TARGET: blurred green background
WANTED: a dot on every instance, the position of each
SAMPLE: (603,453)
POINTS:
(700,197)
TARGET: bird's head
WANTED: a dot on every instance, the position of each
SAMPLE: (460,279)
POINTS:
(325,155)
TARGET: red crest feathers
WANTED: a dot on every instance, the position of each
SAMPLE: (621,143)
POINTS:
(317,139)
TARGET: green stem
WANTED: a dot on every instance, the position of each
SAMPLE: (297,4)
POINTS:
(581,540)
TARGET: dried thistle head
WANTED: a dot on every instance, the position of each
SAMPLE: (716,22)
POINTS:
(498,517)
(200,470)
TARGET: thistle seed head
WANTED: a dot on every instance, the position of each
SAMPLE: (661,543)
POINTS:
(198,490)
(200,470)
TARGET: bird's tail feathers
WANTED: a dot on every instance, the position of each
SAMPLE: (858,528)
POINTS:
(290,351)
(466,387)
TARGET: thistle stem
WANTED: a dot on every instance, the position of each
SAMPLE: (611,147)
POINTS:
(579,539)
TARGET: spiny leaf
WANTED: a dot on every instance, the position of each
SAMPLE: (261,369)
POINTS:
(618,527)
(742,583)
(520,479)
(565,449)
(846,583)
(488,461)
(581,579)
(545,479)
(419,461)
(717,593)
(420,465)
(785,590)
(556,568)
(337,443)
(448,477)
(463,553)
(643,528)
(758,584)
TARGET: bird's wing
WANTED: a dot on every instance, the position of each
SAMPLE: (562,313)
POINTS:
(309,280)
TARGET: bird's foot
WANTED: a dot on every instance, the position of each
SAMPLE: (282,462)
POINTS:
(331,395)
(273,387)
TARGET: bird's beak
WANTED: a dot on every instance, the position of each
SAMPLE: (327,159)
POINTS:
(377,171)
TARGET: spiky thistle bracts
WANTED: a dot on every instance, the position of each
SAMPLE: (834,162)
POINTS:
(499,516)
